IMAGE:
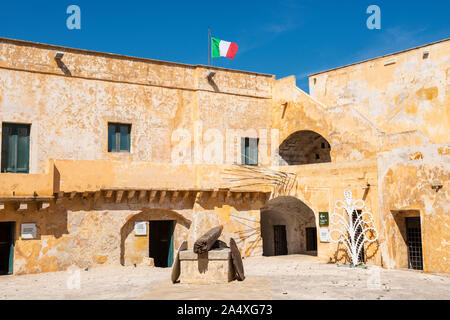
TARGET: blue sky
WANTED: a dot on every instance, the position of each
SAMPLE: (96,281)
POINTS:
(283,38)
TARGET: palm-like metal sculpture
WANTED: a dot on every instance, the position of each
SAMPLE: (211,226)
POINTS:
(241,176)
(352,225)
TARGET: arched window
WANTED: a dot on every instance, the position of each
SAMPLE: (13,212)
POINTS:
(304,147)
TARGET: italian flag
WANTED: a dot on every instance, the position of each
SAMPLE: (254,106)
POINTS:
(222,48)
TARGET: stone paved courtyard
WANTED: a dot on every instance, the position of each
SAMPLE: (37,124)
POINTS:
(287,277)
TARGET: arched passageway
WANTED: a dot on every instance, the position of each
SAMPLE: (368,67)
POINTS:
(288,226)
(305,147)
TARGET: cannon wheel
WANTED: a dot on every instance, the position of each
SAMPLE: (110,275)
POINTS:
(176,269)
(237,260)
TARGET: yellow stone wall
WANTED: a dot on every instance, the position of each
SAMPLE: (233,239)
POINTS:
(410,94)
(374,140)
(406,177)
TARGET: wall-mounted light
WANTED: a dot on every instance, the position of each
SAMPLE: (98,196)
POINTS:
(210,75)
(59,55)
(390,62)
(437,185)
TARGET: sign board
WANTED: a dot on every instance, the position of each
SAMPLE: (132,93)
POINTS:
(140,228)
(324,220)
(324,235)
(28,231)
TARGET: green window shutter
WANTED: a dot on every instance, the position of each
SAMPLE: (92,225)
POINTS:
(6,132)
(125,138)
(111,137)
(119,137)
(253,152)
(12,151)
(171,246)
(23,149)
(11,250)
(15,148)
(243,149)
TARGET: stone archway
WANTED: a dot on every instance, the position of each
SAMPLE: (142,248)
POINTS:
(305,147)
(134,249)
(298,222)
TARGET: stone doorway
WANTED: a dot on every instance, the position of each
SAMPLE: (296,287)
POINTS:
(6,247)
(280,242)
(161,243)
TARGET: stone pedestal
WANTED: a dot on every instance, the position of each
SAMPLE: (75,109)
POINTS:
(213,267)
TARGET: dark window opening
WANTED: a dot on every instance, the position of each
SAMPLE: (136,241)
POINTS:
(249,151)
(414,243)
(15,148)
(279,236)
(119,139)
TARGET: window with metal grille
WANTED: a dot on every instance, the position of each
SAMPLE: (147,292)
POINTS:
(249,151)
(119,139)
(414,242)
(15,148)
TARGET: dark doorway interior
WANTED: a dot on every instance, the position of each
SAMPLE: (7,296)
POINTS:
(279,235)
(161,243)
(6,247)
(414,243)
(311,239)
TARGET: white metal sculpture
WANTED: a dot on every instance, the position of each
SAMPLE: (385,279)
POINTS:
(352,225)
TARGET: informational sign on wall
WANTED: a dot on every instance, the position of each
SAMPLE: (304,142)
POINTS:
(324,220)
(324,235)
(28,231)
(140,228)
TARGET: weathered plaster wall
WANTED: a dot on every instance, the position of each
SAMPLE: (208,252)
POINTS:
(319,186)
(85,233)
(351,135)
(406,176)
(69,108)
(69,113)
(25,185)
(410,94)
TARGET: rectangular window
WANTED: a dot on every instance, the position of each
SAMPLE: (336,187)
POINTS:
(119,137)
(249,151)
(15,148)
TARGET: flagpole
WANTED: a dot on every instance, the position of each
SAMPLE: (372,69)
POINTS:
(209,46)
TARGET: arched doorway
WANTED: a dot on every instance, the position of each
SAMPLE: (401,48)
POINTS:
(305,147)
(165,230)
(288,226)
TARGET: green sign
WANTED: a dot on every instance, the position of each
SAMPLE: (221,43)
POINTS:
(323,219)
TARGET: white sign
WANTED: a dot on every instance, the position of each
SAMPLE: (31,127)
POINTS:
(28,231)
(140,228)
(324,235)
